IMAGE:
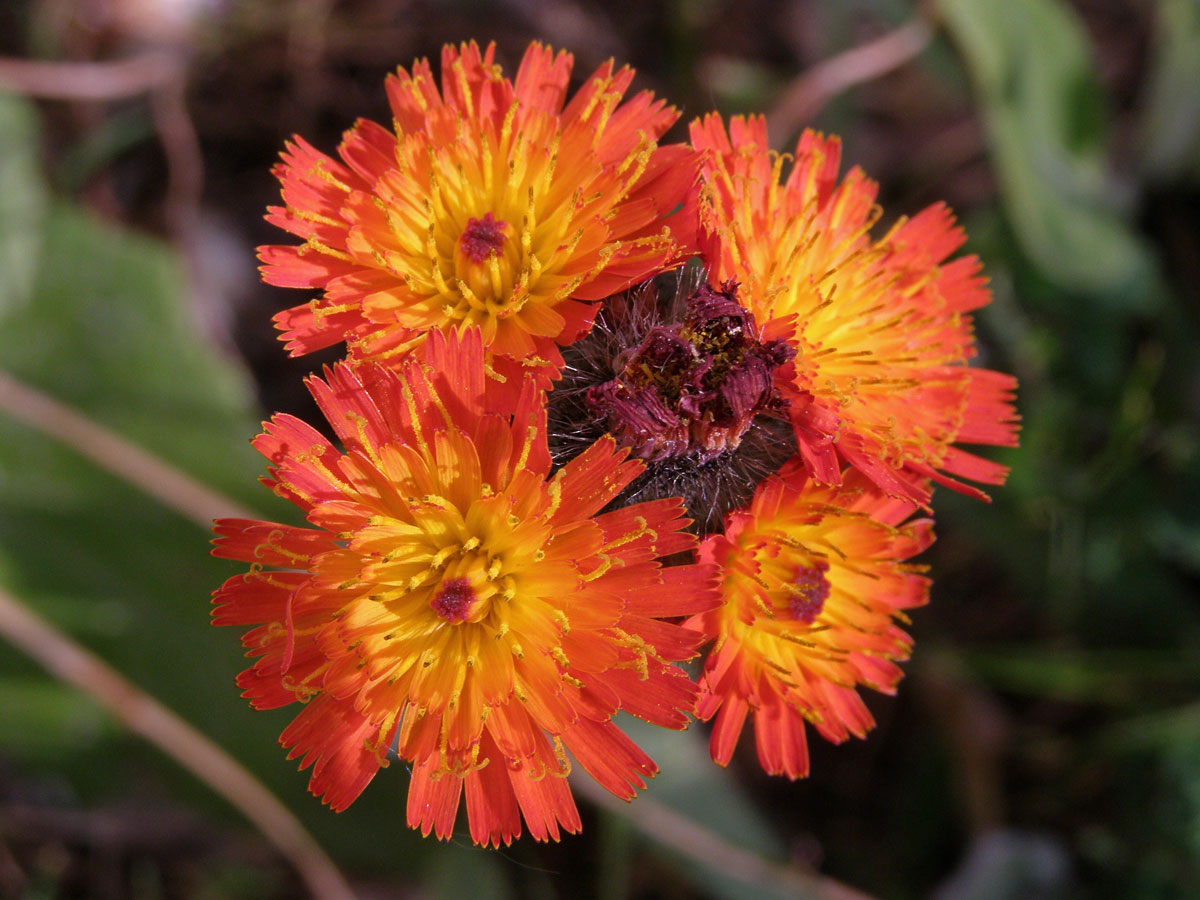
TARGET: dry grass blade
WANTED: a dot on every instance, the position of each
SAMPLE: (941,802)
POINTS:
(107,449)
(684,836)
(146,717)
(813,89)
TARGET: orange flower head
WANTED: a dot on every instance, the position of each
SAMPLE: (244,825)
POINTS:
(814,577)
(881,326)
(453,602)
(493,204)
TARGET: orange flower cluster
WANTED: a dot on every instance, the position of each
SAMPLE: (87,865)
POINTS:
(508,539)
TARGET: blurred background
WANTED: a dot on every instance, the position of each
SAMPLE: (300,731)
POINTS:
(1046,742)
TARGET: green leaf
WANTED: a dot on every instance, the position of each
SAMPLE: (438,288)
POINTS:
(117,133)
(1035,77)
(617,843)
(44,719)
(104,329)
(22,202)
(1171,110)
(461,871)
(1156,731)
(106,333)
(1117,677)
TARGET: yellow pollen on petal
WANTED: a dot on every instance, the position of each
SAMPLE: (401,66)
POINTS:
(320,170)
(563,622)
(604,566)
(310,216)
(313,244)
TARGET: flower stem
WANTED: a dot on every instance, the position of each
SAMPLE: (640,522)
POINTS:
(685,836)
(164,482)
(146,717)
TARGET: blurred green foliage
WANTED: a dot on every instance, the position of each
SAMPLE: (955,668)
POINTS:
(1044,110)
(1095,534)
(1070,603)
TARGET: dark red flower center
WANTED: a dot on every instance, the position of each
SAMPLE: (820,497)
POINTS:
(809,589)
(454,600)
(694,388)
(483,238)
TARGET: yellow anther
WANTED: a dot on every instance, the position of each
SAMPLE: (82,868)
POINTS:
(314,244)
(563,622)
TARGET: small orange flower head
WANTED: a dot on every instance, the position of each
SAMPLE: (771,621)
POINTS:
(814,577)
(453,602)
(882,327)
(494,204)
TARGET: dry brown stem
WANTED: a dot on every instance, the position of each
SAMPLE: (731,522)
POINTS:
(684,836)
(98,81)
(146,717)
(160,74)
(107,449)
(809,93)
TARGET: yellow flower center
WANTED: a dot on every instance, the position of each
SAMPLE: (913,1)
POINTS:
(795,580)
(467,586)
(485,225)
